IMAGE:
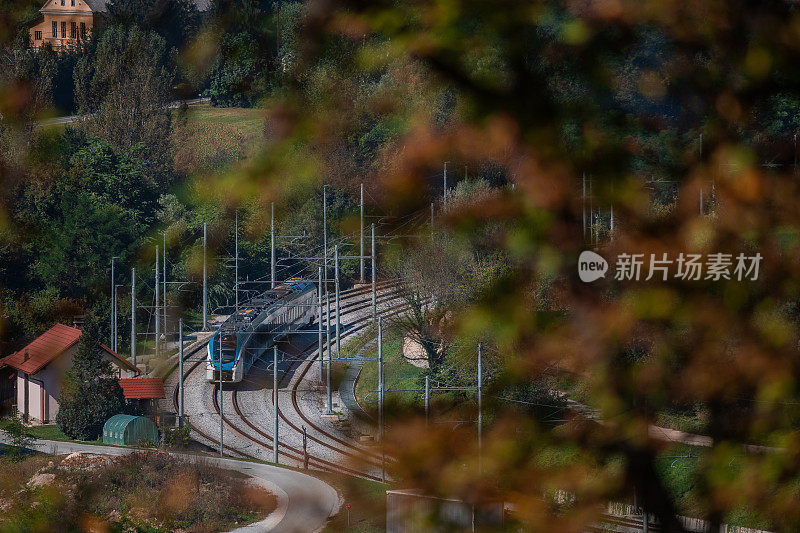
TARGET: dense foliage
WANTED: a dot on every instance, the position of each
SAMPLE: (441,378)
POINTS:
(90,395)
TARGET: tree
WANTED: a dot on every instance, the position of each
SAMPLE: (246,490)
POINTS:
(125,85)
(90,395)
(176,21)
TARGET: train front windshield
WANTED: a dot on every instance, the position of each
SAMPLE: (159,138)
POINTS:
(228,348)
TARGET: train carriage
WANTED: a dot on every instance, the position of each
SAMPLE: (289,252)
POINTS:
(256,326)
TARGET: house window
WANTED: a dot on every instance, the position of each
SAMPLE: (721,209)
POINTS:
(83,30)
(62,2)
(37,35)
(55,29)
(63,30)
(73,3)
(73,30)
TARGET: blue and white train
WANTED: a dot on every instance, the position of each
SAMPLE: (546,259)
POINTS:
(258,324)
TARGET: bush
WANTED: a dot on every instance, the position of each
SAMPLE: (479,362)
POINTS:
(19,435)
(176,437)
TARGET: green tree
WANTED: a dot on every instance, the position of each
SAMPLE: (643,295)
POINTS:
(125,85)
(90,395)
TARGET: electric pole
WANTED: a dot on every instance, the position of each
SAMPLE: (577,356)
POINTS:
(221,416)
(338,308)
(158,309)
(361,239)
(374,287)
(272,246)
(133,316)
(328,410)
(164,281)
(320,350)
(381,387)
(236,268)
(427,399)
(180,372)
(113,305)
(205,278)
(275,393)
(325,231)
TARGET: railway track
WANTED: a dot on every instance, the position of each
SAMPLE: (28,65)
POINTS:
(341,447)
(264,440)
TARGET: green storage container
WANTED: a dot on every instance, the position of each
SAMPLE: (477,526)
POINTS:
(130,430)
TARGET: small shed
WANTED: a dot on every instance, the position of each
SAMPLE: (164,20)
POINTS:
(130,430)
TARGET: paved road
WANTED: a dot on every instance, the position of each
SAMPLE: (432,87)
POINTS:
(74,118)
(305,503)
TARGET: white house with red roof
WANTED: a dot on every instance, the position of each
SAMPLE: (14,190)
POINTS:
(40,368)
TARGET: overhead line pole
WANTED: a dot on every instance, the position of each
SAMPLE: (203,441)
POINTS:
(164,281)
(236,267)
(221,416)
(113,304)
(205,278)
(328,410)
(116,299)
(374,286)
(272,246)
(320,349)
(275,397)
(325,232)
(381,387)
(180,372)
(133,316)
(427,399)
(158,309)
(361,239)
(338,308)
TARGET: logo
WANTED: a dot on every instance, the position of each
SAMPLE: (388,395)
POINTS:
(591,266)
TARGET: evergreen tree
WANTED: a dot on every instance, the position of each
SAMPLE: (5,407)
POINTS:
(90,396)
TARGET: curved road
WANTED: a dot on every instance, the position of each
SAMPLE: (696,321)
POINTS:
(305,503)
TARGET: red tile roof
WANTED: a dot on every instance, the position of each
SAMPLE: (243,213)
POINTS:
(48,346)
(142,388)
(120,361)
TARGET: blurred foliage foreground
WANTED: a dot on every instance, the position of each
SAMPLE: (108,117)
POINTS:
(548,91)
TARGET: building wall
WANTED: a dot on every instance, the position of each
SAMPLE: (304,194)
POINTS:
(44,387)
(65,15)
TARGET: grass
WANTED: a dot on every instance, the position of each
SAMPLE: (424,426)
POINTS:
(398,373)
(138,492)
(367,500)
(677,471)
(213,138)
